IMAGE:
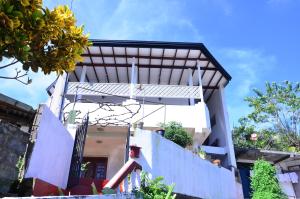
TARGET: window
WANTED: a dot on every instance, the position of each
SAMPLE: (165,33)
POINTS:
(96,168)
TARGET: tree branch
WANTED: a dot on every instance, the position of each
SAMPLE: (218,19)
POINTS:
(18,76)
(12,63)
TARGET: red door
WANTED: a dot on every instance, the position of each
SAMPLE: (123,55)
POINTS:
(96,168)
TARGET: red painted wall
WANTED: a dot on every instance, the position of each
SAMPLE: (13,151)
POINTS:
(42,188)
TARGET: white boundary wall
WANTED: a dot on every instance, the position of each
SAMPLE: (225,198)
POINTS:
(192,175)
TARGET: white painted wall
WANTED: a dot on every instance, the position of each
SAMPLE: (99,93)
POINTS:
(221,130)
(196,117)
(192,175)
(52,153)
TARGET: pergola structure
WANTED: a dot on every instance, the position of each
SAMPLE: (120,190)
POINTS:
(176,64)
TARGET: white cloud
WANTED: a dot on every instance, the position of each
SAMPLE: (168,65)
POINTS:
(148,20)
(248,68)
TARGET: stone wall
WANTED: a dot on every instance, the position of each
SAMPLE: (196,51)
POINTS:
(13,143)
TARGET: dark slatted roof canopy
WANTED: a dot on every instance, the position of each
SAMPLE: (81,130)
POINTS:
(109,61)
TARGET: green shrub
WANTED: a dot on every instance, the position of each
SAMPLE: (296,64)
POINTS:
(264,183)
(154,189)
(176,133)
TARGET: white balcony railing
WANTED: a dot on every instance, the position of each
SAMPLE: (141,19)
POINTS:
(140,90)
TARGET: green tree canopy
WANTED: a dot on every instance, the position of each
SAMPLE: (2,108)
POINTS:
(40,38)
(176,133)
(275,118)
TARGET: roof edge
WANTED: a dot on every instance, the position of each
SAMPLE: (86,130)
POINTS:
(163,44)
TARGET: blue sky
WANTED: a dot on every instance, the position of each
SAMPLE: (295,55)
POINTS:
(255,41)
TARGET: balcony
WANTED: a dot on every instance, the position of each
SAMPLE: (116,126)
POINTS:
(109,104)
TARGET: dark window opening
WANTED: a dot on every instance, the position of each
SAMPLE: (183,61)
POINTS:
(213,120)
(96,168)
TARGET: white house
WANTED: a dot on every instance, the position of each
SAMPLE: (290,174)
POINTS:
(127,89)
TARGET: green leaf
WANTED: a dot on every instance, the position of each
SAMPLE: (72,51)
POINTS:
(10,9)
(25,3)
(26,48)
(17,13)
(37,14)
(94,189)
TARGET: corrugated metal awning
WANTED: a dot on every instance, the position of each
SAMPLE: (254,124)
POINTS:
(165,63)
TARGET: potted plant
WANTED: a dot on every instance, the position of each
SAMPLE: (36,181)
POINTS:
(176,133)
(202,154)
(217,162)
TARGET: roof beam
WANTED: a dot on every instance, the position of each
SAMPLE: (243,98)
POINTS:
(196,63)
(161,63)
(106,74)
(93,66)
(149,70)
(86,77)
(144,57)
(74,72)
(116,69)
(164,45)
(147,66)
(172,66)
(214,88)
(184,65)
(205,68)
(138,68)
(211,80)
(128,64)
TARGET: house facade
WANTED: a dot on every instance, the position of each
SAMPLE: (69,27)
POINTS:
(121,94)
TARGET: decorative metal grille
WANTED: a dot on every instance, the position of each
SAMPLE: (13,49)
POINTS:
(74,173)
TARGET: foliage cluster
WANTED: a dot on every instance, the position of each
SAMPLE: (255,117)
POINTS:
(275,118)
(264,183)
(40,38)
(155,188)
(176,133)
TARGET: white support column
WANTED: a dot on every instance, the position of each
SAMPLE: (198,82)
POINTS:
(82,79)
(55,100)
(202,130)
(133,79)
(229,142)
(83,74)
(190,81)
(200,81)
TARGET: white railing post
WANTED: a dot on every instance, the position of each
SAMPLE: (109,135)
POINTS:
(133,180)
(138,178)
(82,79)
(126,185)
(192,100)
(133,79)
(200,81)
